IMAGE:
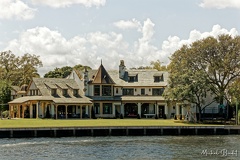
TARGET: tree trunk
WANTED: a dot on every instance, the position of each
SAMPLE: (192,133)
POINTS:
(199,113)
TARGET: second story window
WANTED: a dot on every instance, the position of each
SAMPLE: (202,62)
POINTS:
(96,90)
(128,91)
(157,91)
(106,90)
(143,91)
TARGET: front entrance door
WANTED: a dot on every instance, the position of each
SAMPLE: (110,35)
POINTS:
(161,111)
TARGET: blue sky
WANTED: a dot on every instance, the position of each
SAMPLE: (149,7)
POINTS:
(70,32)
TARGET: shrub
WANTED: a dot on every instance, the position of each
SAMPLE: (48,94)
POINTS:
(5,114)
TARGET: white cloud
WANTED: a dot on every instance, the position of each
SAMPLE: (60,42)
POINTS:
(67,3)
(173,43)
(15,9)
(220,4)
(57,51)
(130,24)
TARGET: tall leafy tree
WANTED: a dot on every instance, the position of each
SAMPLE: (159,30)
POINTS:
(8,65)
(185,84)
(5,94)
(205,67)
(64,71)
(27,67)
(234,91)
(81,67)
(219,61)
(59,72)
(158,65)
(18,70)
(154,65)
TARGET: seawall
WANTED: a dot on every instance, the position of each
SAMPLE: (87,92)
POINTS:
(117,131)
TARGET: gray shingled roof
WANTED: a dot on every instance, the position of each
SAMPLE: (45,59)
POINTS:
(145,77)
(83,100)
(16,88)
(43,83)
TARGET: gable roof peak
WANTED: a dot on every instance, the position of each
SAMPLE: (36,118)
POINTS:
(102,76)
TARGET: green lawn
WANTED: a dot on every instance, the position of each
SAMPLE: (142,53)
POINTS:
(25,123)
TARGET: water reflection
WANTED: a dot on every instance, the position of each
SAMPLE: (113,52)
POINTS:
(146,147)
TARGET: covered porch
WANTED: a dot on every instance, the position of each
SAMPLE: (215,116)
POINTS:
(48,107)
(144,107)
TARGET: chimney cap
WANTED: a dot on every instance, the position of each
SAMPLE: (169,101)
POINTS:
(122,63)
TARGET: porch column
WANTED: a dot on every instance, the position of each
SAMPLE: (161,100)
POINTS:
(90,109)
(43,109)
(101,109)
(31,110)
(157,110)
(81,111)
(114,110)
(87,110)
(139,109)
(177,111)
(122,109)
(11,111)
(166,109)
(37,109)
(66,107)
(56,111)
(52,110)
(23,110)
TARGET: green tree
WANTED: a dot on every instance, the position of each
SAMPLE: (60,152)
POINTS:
(206,66)
(64,71)
(153,65)
(234,91)
(18,70)
(219,61)
(59,72)
(185,84)
(80,67)
(27,67)
(5,95)
(158,65)
(8,65)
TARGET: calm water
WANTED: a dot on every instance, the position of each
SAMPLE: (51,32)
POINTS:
(146,147)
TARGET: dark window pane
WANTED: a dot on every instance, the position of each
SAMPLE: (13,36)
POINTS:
(106,91)
(96,90)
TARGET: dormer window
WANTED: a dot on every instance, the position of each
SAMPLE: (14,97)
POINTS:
(64,92)
(75,92)
(158,78)
(54,92)
(132,77)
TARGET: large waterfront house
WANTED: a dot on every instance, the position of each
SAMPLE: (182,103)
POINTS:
(128,93)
